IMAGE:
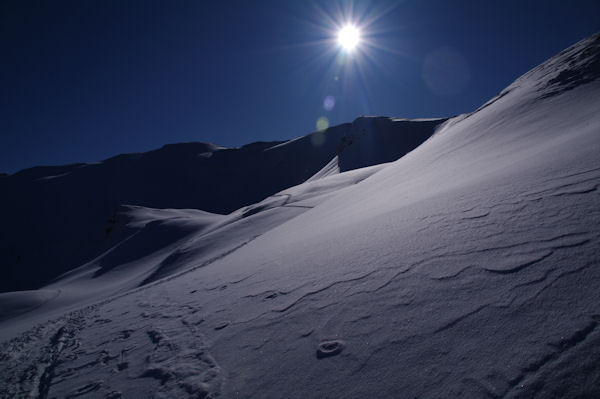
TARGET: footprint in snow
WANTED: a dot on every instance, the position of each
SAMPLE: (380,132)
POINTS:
(124,334)
(102,321)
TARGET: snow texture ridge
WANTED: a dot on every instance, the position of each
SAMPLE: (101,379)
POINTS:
(469,267)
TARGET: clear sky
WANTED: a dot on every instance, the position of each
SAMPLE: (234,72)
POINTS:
(81,81)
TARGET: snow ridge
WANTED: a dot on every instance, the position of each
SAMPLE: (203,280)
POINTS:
(79,218)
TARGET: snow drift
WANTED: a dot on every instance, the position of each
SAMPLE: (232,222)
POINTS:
(467,268)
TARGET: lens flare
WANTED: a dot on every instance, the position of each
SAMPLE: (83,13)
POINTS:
(329,103)
(317,139)
(322,124)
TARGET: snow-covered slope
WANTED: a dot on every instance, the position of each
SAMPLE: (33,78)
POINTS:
(77,220)
(467,268)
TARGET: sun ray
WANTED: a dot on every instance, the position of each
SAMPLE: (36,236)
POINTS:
(349,39)
(370,20)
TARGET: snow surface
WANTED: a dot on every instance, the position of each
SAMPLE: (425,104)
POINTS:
(467,268)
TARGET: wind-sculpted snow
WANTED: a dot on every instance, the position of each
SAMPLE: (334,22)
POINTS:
(467,268)
(573,67)
(163,243)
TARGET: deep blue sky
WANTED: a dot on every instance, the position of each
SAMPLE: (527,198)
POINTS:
(81,81)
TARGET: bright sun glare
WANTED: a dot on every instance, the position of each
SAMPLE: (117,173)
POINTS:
(348,37)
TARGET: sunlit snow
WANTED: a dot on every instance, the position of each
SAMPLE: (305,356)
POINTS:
(468,267)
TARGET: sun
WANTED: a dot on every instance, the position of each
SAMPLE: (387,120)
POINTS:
(348,37)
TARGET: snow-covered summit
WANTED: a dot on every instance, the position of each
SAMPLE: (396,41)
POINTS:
(573,67)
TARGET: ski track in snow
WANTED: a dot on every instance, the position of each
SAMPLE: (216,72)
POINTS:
(104,353)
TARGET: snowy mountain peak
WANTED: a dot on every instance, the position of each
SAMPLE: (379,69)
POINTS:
(577,65)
